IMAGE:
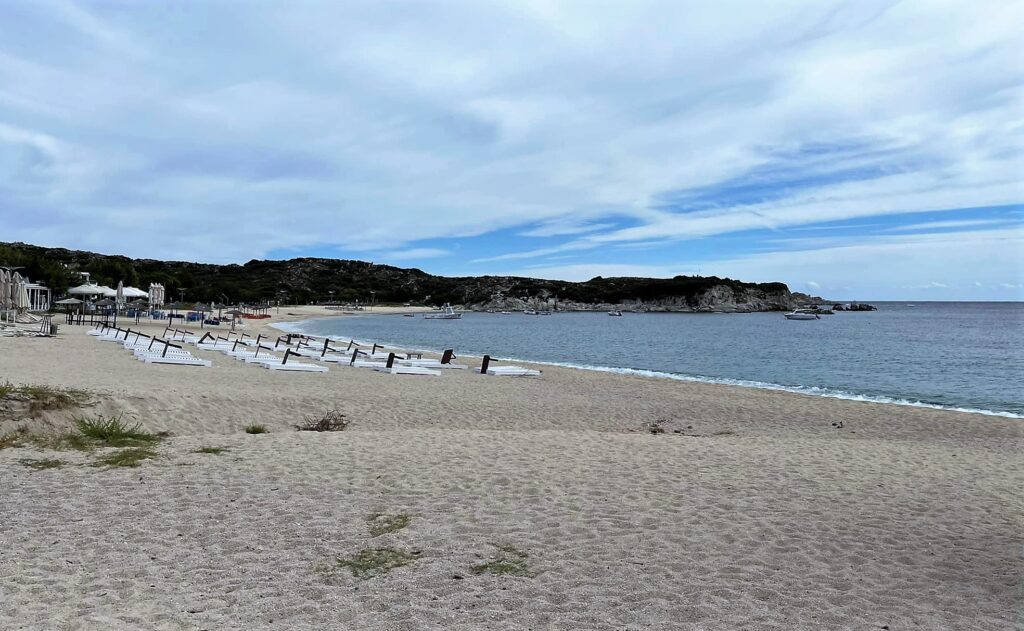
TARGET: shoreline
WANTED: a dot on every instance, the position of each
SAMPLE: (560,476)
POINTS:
(627,502)
(295,326)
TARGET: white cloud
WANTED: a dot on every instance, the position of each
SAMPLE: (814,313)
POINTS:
(586,271)
(413,254)
(861,268)
(375,126)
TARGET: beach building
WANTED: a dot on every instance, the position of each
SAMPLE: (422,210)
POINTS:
(39,296)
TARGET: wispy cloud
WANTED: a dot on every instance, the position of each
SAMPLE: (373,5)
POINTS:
(951,224)
(413,254)
(533,129)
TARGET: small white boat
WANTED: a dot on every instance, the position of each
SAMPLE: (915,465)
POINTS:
(615,313)
(802,314)
(447,313)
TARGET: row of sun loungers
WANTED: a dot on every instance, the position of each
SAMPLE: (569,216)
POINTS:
(149,349)
(290,353)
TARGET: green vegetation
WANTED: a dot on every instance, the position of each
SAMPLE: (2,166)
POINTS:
(131,457)
(507,561)
(43,463)
(371,562)
(113,432)
(316,279)
(89,434)
(57,441)
(382,524)
(42,398)
(211,450)
(255,429)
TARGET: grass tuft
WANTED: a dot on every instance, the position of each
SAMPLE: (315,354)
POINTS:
(131,457)
(113,432)
(371,562)
(43,463)
(382,524)
(255,429)
(211,450)
(42,398)
(508,561)
(331,421)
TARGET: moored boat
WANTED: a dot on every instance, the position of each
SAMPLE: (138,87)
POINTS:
(447,313)
(802,314)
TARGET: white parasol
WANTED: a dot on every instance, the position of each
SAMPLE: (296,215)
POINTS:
(3,289)
(21,302)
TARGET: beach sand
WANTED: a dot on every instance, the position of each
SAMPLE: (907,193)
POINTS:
(751,511)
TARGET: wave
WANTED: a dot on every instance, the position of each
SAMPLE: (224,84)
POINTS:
(816,391)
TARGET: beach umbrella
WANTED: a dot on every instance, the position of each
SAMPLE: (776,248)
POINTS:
(138,303)
(21,302)
(3,289)
(13,287)
(85,290)
(68,302)
(119,294)
(105,302)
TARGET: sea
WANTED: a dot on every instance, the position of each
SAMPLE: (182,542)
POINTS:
(965,356)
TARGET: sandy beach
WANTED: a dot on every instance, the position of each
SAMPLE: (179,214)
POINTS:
(541,503)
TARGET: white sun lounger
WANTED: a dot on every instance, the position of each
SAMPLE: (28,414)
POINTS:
(295,366)
(395,367)
(505,371)
(430,363)
(399,369)
(285,365)
(180,361)
(512,371)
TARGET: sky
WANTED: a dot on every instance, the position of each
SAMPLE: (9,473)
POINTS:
(855,150)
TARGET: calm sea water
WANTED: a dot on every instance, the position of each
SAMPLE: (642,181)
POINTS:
(956,355)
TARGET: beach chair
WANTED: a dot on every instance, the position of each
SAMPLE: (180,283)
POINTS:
(505,371)
(166,356)
(445,363)
(396,368)
(294,366)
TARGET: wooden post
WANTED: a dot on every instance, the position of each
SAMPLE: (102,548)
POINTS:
(484,364)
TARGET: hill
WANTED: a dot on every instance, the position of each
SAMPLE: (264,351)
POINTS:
(310,280)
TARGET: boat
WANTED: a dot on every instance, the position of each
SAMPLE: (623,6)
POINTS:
(615,313)
(447,313)
(529,312)
(408,315)
(802,314)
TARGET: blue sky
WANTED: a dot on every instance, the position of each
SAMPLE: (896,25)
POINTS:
(859,150)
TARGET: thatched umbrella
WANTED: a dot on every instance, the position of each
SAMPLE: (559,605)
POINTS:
(175,306)
(202,309)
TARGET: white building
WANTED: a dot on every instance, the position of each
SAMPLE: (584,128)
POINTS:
(39,298)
